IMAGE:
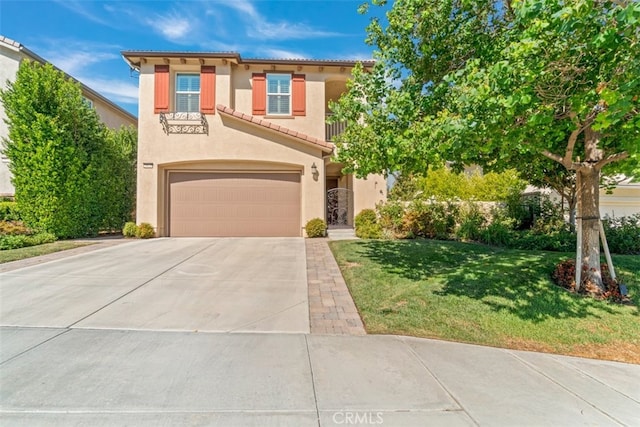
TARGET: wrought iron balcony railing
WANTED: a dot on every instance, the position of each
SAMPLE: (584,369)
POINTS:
(184,122)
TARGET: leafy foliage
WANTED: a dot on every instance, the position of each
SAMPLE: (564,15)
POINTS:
(145,231)
(130,229)
(13,227)
(9,211)
(73,177)
(445,184)
(430,220)
(316,227)
(367,226)
(15,241)
(623,234)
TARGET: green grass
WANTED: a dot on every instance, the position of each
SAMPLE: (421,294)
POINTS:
(485,295)
(33,251)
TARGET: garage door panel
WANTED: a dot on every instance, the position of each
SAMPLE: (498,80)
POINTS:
(234,204)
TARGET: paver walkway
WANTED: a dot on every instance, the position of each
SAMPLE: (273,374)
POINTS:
(331,308)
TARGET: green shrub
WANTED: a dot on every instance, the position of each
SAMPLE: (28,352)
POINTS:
(9,211)
(557,241)
(22,240)
(472,222)
(367,226)
(130,229)
(316,227)
(392,218)
(13,228)
(432,220)
(496,234)
(145,231)
(623,234)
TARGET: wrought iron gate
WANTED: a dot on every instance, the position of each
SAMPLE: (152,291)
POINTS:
(338,206)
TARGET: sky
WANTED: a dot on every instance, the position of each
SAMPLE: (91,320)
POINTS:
(84,38)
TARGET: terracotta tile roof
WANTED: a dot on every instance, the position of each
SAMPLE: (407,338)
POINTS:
(326,146)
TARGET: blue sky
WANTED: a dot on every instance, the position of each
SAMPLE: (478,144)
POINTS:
(84,37)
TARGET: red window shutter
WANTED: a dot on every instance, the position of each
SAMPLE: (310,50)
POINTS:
(259,94)
(208,89)
(299,103)
(161,92)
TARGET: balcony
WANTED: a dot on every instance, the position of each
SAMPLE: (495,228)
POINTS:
(184,123)
(331,130)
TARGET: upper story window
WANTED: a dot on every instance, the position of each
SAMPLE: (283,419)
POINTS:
(187,93)
(279,94)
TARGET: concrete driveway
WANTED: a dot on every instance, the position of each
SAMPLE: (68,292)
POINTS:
(199,284)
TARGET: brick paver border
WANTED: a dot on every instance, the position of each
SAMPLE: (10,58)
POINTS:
(331,308)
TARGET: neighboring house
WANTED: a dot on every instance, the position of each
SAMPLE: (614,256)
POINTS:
(11,54)
(624,200)
(239,147)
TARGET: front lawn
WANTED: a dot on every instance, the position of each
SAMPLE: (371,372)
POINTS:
(485,295)
(33,251)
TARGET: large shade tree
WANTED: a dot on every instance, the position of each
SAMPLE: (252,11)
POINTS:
(500,84)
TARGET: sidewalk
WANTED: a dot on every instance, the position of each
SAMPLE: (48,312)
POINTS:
(116,377)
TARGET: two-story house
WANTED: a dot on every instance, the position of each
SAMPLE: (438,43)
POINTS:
(240,147)
(12,54)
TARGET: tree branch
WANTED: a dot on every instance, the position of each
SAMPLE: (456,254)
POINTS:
(569,165)
(568,154)
(612,158)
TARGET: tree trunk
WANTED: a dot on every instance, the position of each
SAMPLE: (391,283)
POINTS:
(590,206)
(572,214)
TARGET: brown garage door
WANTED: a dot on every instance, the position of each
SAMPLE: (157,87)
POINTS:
(205,204)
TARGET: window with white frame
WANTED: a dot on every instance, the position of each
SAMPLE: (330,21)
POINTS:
(87,102)
(279,94)
(187,93)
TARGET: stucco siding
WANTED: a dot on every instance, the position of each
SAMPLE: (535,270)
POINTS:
(9,63)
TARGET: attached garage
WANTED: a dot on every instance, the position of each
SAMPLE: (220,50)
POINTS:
(234,204)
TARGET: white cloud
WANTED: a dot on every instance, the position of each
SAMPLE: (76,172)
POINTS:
(73,63)
(259,27)
(172,26)
(113,89)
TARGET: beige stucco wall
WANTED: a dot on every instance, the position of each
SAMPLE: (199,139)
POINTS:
(9,63)
(367,193)
(111,117)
